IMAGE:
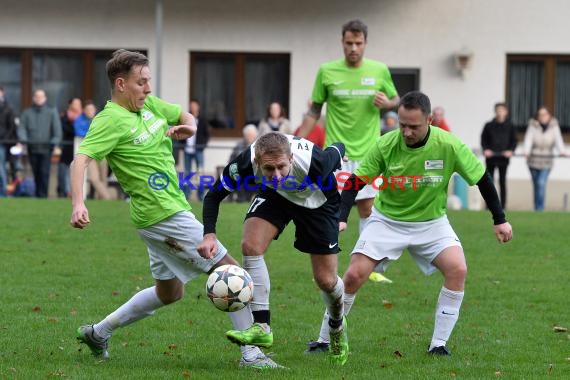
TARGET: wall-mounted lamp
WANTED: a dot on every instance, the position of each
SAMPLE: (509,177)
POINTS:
(463,60)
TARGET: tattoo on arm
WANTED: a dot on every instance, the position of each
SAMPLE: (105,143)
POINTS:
(315,110)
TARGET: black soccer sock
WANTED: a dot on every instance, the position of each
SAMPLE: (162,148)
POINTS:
(335,324)
(262,316)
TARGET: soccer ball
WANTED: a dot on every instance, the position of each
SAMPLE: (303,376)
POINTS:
(230,288)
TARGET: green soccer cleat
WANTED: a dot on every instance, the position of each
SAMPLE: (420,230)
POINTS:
(260,362)
(338,353)
(378,277)
(98,346)
(255,335)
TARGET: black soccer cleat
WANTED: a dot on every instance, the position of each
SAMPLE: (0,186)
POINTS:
(439,351)
(315,347)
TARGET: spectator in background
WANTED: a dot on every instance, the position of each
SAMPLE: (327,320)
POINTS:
(499,140)
(542,137)
(68,117)
(7,138)
(438,119)
(389,122)
(194,147)
(274,121)
(98,171)
(317,134)
(250,133)
(40,132)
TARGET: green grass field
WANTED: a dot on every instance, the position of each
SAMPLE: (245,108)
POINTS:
(55,278)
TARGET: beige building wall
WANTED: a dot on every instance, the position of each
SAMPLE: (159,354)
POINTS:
(404,34)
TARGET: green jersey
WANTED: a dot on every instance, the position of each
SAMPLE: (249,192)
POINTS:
(415,181)
(138,151)
(349,93)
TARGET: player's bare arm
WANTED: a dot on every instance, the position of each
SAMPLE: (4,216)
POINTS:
(381,101)
(310,119)
(186,129)
(79,214)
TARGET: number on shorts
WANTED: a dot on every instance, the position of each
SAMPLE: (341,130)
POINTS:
(255,204)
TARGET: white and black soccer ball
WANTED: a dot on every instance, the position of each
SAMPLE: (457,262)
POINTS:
(230,288)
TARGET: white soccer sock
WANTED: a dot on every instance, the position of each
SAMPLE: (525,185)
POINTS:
(446,315)
(257,269)
(333,300)
(141,305)
(250,353)
(241,320)
(348,302)
(324,333)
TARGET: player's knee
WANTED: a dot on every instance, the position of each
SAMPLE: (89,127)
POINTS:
(326,283)
(249,248)
(171,296)
(458,272)
(352,279)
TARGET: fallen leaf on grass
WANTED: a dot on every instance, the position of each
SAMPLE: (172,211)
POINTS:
(187,374)
(387,304)
(498,373)
(398,354)
(172,346)
(560,329)
(36,309)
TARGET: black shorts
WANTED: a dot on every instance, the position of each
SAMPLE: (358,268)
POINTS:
(316,230)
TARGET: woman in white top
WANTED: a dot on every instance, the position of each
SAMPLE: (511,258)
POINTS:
(541,138)
(275,121)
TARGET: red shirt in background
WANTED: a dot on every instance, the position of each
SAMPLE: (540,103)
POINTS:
(442,124)
(317,135)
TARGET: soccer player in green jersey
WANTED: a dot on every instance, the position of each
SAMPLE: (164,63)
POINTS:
(409,211)
(134,132)
(355,89)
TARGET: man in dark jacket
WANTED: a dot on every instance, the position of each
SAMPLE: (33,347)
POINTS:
(7,138)
(499,141)
(40,130)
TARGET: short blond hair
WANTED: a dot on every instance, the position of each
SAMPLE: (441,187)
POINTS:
(272,143)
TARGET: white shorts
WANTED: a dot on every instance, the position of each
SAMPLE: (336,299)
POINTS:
(384,240)
(172,247)
(368,191)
